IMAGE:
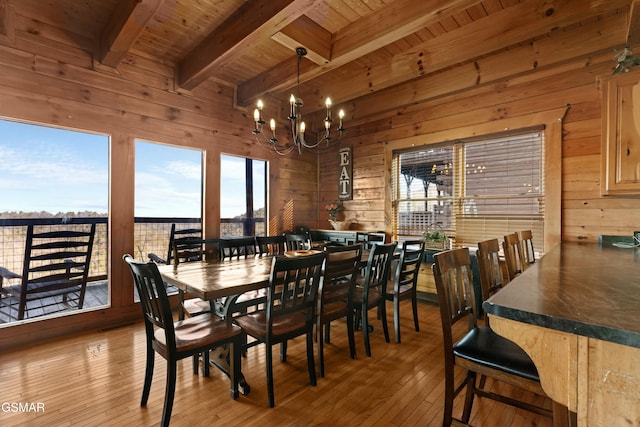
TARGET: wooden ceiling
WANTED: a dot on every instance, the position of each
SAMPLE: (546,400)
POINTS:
(355,47)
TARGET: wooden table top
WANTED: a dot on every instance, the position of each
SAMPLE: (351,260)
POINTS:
(579,288)
(211,280)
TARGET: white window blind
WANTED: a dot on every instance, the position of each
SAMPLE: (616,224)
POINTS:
(473,190)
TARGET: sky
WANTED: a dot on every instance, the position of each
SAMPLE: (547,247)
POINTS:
(55,170)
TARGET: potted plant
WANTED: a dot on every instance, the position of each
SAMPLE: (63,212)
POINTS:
(435,238)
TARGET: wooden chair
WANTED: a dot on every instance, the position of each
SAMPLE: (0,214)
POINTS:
(271,245)
(369,239)
(369,292)
(513,255)
(491,277)
(237,247)
(480,351)
(335,295)
(296,242)
(528,253)
(177,235)
(404,283)
(56,264)
(179,340)
(289,312)
(187,249)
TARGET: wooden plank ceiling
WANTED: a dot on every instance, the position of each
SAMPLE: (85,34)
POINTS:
(355,47)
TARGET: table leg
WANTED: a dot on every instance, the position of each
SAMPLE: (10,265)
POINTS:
(219,357)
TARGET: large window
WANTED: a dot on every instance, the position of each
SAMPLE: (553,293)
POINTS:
(472,190)
(52,180)
(243,196)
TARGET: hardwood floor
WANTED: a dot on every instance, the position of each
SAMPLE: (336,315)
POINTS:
(96,379)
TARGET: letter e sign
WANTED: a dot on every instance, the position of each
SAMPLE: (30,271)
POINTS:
(345,174)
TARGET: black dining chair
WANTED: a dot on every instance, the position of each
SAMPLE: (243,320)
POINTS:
(404,284)
(178,340)
(335,295)
(370,290)
(289,311)
(479,351)
(271,245)
(297,241)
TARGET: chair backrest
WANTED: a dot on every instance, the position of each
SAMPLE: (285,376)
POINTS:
(194,249)
(55,263)
(271,245)
(513,255)
(341,270)
(454,284)
(237,247)
(491,277)
(296,242)
(293,287)
(179,236)
(406,274)
(528,253)
(377,271)
(154,302)
(369,239)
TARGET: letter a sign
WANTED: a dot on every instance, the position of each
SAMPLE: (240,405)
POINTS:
(345,174)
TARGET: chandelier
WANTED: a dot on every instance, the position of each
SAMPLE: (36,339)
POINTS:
(298,127)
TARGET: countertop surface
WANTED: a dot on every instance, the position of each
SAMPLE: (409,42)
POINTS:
(580,288)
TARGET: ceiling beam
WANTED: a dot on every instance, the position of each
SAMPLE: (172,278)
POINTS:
(127,21)
(401,18)
(306,33)
(253,21)
(633,29)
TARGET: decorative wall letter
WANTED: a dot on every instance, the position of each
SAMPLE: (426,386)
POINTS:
(345,174)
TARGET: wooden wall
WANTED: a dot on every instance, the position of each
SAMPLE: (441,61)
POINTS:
(475,98)
(48,76)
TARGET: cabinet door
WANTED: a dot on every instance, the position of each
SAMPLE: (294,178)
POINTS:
(621,135)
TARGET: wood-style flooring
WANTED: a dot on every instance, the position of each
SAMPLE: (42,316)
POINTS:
(95,379)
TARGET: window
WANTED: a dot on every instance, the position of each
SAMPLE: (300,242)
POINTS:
(243,196)
(53,180)
(472,190)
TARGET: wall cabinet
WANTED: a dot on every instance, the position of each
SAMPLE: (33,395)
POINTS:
(620,171)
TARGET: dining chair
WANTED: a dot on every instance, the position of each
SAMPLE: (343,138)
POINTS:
(369,239)
(271,245)
(297,241)
(480,351)
(237,247)
(176,235)
(335,295)
(289,311)
(370,290)
(513,255)
(178,340)
(528,253)
(191,249)
(490,268)
(405,281)
(56,264)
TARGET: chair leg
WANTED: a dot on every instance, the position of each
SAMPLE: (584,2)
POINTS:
(414,306)
(449,390)
(383,314)
(172,367)
(235,361)
(206,363)
(468,400)
(148,374)
(310,360)
(396,318)
(196,363)
(320,339)
(365,331)
(269,364)
(351,335)
(283,351)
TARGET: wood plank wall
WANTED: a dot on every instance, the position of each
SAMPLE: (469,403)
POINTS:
(516,84)
(48,76)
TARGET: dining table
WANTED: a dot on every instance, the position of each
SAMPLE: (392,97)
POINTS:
(575,313)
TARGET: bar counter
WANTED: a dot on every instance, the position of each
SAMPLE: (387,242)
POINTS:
(575,312)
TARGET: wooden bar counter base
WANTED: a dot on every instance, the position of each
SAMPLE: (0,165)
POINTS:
(575,312)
